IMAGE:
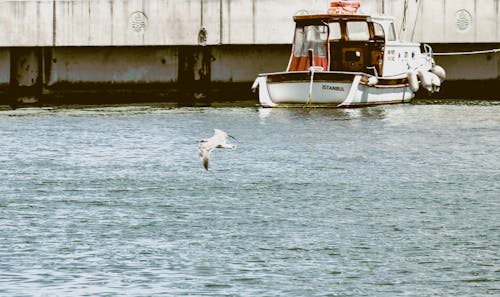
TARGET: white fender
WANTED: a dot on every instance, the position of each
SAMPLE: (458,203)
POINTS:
(372,80)
(425,79)
(435,81)
(255,84)
(439,71)
(352,91)
(413,81)
(264,98)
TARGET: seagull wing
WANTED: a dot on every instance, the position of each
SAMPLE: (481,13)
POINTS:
(205,147)
(219,138)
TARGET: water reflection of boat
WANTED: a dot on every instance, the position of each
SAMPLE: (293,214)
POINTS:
(344,59)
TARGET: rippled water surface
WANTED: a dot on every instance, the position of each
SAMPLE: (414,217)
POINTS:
(397,200)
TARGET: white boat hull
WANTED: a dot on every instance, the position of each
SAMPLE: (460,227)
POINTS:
(351,89)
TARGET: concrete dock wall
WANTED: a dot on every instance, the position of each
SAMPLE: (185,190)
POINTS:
(4,68)
(108,65)
(447,21)
(189,47)
(148,22)
(178,22)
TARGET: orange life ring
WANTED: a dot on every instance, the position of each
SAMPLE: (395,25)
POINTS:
(343,7)
(345,3)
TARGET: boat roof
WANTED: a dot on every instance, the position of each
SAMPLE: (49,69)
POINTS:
(328,18)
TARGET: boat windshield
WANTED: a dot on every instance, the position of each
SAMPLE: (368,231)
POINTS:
(335,31)
(309,37)
(357,31)
(378,30)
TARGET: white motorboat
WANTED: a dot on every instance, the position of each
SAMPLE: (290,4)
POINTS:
(345,59)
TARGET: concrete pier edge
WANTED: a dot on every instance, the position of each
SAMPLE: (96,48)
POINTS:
(197,52)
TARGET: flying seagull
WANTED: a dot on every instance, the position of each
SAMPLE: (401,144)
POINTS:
(206,146)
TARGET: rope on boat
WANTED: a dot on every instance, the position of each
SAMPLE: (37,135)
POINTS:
(309,98)
(416,20)
(490,51)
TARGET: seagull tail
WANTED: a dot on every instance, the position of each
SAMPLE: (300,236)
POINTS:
(205,163)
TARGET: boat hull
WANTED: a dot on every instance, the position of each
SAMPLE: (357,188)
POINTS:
(337,89)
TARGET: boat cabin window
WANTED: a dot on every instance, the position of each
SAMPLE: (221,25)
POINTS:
(335,31)
(360,48)
(379,31)
(309,37)
(392,33)
(357,31)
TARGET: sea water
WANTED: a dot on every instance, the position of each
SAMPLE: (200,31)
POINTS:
(399,200)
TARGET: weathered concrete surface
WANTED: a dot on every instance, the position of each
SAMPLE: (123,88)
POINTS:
(148,22)
(246,61)
(110,65)
(134,22)
(184,73)
(156,46)
(469,67)
(4,68)
(26,23)
(263,22)
(447,21)
(27,67)
(150,65)
(168,22)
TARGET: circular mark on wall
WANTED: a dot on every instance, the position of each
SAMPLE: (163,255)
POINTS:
(138,22)
(463,20)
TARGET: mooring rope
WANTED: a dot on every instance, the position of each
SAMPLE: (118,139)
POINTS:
(309,98)
(416,20)
(490,51)
(403,22)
